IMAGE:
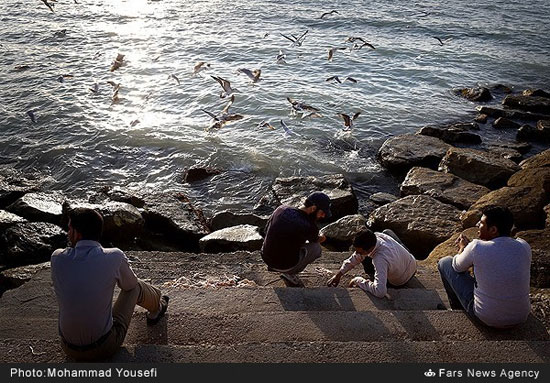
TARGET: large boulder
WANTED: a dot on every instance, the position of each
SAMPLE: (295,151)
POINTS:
(422,222)
(504,123)
(41,207)
(236,238)
(172,218)
(547,212)
(17,276)
(540,160)
(535,177)
(479,167)
(340,234)
(479,94)
(14,184)
(511,114)
(30,242)
(448,248)
(399,154)
(226,218)
(444,187)
(8,219)
(293,191)
(536,93)
(539,240)
(382,198)
(122,222)
(199,174)
(525,203)
(528,103)
(510,154)
(451,134)
(117,194)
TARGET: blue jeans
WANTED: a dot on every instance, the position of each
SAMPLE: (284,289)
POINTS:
(459,286)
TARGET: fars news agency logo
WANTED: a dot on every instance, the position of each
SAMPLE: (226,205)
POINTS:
(429,373)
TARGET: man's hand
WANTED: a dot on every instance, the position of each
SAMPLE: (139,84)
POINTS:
(322,238)
(355,281)
(333,282)
(462,241)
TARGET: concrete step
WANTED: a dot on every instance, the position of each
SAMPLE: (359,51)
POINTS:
(294,326)
(19,351)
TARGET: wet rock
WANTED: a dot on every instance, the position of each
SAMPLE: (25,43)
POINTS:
(117,194)
(17,276)
(521,147)
(547,212)
(199,174)
(481,118)
(225,219)
(501,88)
(528,103)
(40,207)
(534,177)
(529,133)
(340,234)
(525,203)
(504,123)
(399,154)
(30,242)
(539,240)
(540,160)
(122,222)
(293,191)
(383,198)
(479,167)
(535,93)
(458,133)
(236,238)
(173,218)
(448,248)
(422,222)
(480,94)
(8,219)
(444,187)
(14,184)
(507,153)
(543,126)
(510,114)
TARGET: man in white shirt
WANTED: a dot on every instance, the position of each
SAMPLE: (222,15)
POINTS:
(392,262)
(84,278)
(498,293)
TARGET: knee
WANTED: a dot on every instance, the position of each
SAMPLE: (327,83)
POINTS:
(445,263)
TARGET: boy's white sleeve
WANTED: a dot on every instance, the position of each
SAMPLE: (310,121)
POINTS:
(351,262)
(378,288)
(463,261)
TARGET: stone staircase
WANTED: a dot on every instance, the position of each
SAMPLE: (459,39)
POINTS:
(264,321)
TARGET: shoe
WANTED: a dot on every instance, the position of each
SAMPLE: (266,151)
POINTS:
(163,307)
(292,280)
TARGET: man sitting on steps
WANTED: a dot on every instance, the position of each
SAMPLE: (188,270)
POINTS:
(292,238)
(84,278)
(498,293)
(382,254)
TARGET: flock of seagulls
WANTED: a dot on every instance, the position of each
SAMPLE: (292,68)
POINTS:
(219,120)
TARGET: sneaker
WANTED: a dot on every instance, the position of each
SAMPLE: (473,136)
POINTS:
(163,307)
(292,280)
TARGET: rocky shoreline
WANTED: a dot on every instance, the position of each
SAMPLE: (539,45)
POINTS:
(446,174)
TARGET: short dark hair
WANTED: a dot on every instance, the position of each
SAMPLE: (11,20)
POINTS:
(87,222)
(501,217)
(365,240)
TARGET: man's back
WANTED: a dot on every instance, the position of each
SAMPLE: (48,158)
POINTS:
(84,278)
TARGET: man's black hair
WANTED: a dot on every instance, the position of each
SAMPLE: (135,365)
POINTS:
(501,217)
(365,240)
(87,222)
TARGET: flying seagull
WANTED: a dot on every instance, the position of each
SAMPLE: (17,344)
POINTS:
(348,121)
(296,40)
(331,52)
(253,75)
(175,78)
(328,13)
(50,6)
(337,79)
(224,117)
(226,86)
(200,66)
(118,62)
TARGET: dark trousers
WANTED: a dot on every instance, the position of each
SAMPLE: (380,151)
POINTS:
(459,286)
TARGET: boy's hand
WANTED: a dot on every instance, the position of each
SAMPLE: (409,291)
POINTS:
(355,281)
(462,241)
(333,282)
(322,238)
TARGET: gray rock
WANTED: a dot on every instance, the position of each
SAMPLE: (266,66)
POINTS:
(198,174)
(529,133)
(17,276)
(540,160)
(504,123)
(293,191)
(528,103)
(174,218)
(510,114)
(422,222)
(8,219)
(536,93)
(480,94)
(399,154)
(340,234)
(458,133)
(543,126)
(444,187)
(525,203)
(383,198)
(117,194)
(226,218)
(507,153)
(481,118)
(40,207)
(521,147)
(539,241)
(122,222)
(236,238)
(14,184)
(479,167)
(534,177)
(30,242)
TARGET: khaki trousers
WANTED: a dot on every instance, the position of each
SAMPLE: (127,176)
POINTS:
(144,295)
